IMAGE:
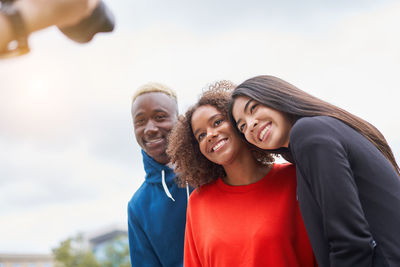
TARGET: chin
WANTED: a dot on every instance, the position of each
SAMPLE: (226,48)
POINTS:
(226,161)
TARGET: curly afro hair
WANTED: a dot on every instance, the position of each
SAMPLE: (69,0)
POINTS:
(191,165)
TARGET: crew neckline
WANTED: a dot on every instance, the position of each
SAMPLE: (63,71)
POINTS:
(248,187)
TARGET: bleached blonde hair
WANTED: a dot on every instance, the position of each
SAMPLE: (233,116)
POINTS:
(154,87)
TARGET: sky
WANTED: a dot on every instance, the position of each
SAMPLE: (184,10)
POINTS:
(69,161)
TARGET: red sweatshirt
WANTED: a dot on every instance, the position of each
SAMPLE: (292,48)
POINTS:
(251,225)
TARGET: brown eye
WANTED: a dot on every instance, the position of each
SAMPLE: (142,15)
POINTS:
(218,122)
(241,127)
(139,122)
(160,117)
(201,136)
(252,108)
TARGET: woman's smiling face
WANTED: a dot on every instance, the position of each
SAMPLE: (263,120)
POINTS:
(262,126)
(217,140)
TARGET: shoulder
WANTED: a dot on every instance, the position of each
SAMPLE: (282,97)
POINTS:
(203,194)
(317,130)
(138,199)
(321,134)
(307,125)
(285,168)
(284,173)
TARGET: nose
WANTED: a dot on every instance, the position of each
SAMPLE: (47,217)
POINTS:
(252,124)
(211,134)
(150,127)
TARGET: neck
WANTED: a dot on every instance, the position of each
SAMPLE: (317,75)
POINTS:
(245,170)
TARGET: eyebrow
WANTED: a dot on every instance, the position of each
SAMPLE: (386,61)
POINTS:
(210,119)
(244,110)
(154,111)
(247,105)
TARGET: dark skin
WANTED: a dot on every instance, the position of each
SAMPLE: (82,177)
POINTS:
(219,143)
(154,114)
(184,147)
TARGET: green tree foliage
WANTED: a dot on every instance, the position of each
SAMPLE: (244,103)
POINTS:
(117,253)
(73,253)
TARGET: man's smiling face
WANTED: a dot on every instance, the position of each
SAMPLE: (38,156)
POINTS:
(154,115)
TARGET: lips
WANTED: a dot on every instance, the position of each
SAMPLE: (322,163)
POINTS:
(218,145)
(154,142)
(264,132)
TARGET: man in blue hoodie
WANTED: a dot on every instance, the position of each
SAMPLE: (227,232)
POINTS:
(157,210)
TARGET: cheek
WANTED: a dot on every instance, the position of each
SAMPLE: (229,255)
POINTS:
(286,126)
(138,132)
(202,147)
(247,136)
(166,126)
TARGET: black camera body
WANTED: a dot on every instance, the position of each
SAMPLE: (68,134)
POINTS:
(101,20)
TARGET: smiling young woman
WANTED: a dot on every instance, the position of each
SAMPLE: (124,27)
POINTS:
(348,180)
(261,125)
(244,211)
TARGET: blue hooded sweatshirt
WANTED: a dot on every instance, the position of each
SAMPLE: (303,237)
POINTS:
(157,218)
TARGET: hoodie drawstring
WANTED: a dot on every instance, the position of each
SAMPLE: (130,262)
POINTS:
(165,185)
(187,191)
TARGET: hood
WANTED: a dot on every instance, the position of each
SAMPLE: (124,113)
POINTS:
(157,173)
(154,170)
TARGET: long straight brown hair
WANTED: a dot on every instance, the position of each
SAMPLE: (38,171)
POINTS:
(285,97)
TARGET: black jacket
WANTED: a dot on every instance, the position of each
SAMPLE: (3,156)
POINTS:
(349,195)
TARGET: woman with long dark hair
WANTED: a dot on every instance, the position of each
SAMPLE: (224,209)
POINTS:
(348,179)
(244,211)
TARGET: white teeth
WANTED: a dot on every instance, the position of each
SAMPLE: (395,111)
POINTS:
(219,145)
(153,141)
(263,132)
